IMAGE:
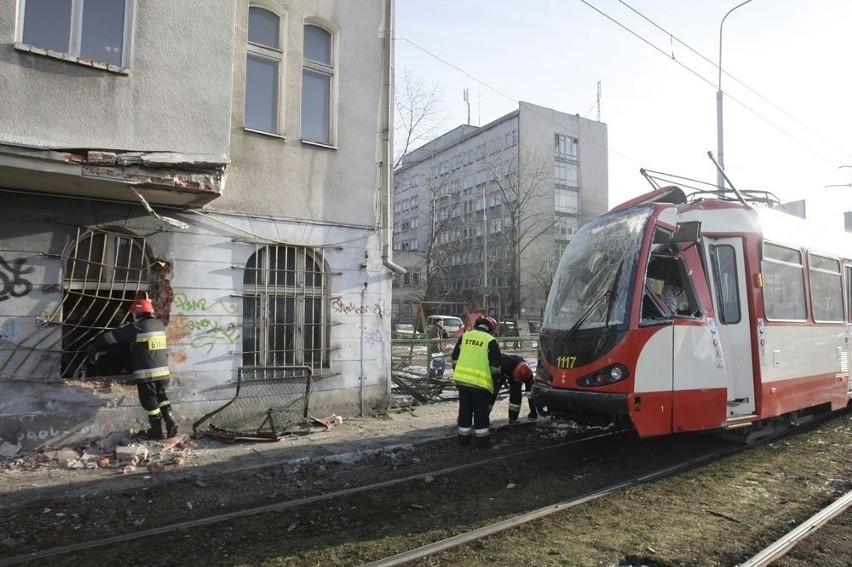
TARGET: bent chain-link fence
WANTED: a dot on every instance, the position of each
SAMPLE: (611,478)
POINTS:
(269,401)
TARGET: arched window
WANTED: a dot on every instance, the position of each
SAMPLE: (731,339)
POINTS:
(264,57)
(285,315)
(104,271)
(317,85)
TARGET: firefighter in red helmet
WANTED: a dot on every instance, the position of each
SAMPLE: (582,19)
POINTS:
(146,336)
(519,374)
(476,362)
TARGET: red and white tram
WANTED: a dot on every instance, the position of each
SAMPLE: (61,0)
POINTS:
(675,314)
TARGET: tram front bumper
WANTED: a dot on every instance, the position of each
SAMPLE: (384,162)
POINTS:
(560,402)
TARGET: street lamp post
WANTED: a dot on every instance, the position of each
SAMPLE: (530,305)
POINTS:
(720,178)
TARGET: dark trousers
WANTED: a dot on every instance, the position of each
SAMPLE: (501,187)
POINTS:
(516,397)
(474,407)
(152,396)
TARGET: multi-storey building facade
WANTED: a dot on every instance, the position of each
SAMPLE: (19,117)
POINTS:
(484,213)
(213,155)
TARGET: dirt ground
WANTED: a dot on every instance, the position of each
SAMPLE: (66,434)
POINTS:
(716,515)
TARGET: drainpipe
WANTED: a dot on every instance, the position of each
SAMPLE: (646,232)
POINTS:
(362,378)
(387,145)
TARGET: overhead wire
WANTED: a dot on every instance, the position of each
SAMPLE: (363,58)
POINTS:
(816,153)
(735,79)
(671,57)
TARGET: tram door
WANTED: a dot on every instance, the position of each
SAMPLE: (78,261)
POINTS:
(728,286)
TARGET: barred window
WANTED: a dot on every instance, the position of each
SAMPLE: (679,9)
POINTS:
(285,313)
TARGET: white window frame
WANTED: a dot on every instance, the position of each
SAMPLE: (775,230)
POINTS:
(276,56)
(72,53)
(326,69)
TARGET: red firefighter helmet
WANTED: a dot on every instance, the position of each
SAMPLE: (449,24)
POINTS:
(522,372)
(141,306)
(487,324)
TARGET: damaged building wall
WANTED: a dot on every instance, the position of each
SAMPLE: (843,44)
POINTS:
(197,279)
(283,265)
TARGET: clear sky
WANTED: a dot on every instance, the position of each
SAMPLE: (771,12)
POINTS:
(787,80)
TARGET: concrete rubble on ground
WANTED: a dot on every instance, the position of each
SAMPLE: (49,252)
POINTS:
(120,452)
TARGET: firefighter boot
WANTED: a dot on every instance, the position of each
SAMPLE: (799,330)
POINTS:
(171,427)
(156,429)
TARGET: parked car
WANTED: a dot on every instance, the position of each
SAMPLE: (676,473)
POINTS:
(509,329)
(403,331)
(452,325)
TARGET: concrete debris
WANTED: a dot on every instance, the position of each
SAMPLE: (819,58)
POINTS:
(117,451)
(9,449)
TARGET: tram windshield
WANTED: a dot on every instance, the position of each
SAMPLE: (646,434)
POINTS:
(591,287)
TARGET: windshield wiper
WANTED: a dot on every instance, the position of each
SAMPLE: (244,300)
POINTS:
(597,301)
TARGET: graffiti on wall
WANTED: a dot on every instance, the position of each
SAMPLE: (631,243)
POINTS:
(12,282)
(199,322)
(351,308)
(373,337)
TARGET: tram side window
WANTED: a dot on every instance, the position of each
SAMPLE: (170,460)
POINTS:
(723,259)
(826,292)
(783,283)
(848,294)
(668,290)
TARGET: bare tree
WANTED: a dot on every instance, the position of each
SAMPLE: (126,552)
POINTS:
(543,269)
(419,114)
(522,184)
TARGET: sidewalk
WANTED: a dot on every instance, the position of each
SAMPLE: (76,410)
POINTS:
(84,471)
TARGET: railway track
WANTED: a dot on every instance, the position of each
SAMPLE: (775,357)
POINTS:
(396,515)
(788,541)
(144,534)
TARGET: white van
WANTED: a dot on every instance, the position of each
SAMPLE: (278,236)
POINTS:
(451,324)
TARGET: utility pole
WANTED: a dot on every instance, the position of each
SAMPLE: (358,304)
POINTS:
(720,153)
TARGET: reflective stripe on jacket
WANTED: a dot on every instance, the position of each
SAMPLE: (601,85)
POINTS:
(473,368)
(148,348)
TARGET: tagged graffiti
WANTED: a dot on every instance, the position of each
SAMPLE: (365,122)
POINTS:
(211,333)
(373,337)
(11,282)
(206,332)
(352,309)
(184,303)
(40,435)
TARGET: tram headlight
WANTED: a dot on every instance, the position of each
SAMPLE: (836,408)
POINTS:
(604,376)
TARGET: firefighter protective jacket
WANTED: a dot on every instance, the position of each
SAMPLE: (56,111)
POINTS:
(473,367)
(148,354)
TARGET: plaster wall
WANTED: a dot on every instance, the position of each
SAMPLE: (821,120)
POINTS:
(175,96)
(281,174)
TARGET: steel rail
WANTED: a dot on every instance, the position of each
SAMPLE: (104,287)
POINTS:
(789,540)
(491,529)
(278,506)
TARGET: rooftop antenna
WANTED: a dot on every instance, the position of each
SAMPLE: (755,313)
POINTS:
(467,101)
(599,101)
